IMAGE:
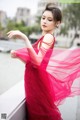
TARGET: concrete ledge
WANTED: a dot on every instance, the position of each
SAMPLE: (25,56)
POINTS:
(19,113)
(12,103)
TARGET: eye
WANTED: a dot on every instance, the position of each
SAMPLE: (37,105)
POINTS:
(50,20)
(43,18)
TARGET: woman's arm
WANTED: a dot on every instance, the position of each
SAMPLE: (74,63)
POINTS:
(14,55)
(36,58)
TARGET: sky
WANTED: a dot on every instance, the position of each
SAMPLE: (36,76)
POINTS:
(10,6)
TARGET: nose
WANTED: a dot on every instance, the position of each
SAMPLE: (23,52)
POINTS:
(45,21)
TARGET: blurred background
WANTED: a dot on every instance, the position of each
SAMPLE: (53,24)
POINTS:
(25,16)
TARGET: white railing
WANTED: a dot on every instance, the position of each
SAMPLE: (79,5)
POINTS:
(12,103)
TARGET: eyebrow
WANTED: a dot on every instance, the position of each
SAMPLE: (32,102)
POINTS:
(48,17)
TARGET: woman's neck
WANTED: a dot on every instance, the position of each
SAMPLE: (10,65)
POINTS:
(44,33)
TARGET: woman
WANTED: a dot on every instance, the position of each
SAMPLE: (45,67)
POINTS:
(49,73)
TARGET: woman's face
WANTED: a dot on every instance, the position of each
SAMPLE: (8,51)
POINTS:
(47,22)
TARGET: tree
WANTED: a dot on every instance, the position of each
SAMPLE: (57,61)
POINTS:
(71,17)
(1,28)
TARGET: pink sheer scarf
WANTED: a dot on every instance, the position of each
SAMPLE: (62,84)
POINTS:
(62,67)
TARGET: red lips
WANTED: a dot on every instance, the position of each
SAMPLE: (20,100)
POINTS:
(44,25)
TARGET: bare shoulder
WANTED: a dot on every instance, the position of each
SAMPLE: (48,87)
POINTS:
(48,38)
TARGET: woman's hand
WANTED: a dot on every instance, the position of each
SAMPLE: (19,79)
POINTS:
(17,34)
(13,54)
(20,35)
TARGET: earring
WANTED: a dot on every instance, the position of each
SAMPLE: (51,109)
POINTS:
(57,26)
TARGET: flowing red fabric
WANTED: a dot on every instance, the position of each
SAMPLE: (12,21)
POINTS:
(48,84)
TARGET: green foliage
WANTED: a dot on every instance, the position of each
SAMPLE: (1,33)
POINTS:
(38,18)
(22,27)
(64,30)
(71,16)
(1,28)
(12,25)
(69,1)
(36,29)
(71,19)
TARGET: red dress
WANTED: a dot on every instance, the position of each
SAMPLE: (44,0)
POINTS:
(48,84)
